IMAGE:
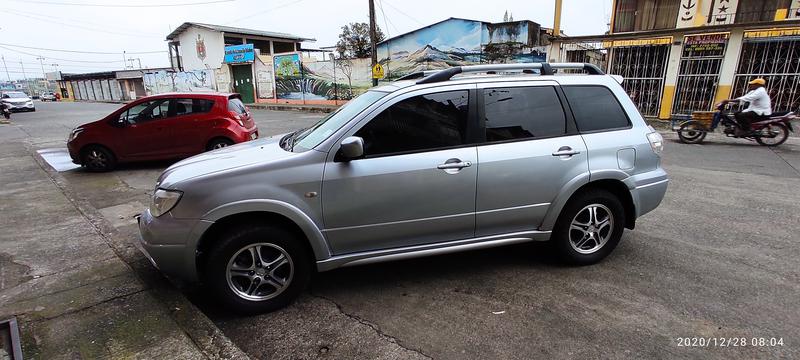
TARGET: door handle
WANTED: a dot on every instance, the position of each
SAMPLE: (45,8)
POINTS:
(566,151)
(454,165)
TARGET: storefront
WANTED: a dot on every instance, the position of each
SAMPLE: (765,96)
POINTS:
(699,72)
(773,54)
(643,64)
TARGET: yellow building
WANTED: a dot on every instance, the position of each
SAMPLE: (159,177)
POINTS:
(680,56)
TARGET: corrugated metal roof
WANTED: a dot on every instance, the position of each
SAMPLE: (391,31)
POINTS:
(235,30)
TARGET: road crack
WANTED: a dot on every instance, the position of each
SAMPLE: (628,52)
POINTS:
(372,326)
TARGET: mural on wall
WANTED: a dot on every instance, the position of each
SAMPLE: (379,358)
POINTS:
(340,79)
(169,81)
(456,42)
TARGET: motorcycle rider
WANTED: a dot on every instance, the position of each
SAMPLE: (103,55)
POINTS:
(760,106)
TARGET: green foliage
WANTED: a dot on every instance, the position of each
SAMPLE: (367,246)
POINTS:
(354,40)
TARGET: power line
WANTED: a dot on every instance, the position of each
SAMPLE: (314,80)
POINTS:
(84,52)
(406,15)
(95,28)
(123,5)
(59,59)
(386,19)
(263,12)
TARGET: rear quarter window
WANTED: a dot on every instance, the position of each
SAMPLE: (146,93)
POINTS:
(596,108)
(236,105)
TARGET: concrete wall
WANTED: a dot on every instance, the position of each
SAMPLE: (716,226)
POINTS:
(214,45)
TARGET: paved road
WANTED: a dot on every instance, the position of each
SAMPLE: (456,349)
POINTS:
(717,259)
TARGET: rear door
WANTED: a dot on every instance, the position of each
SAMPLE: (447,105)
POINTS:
(530,151)
(190,124)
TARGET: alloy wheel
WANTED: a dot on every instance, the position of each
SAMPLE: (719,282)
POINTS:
(591,228)
(97,159)
(259,272)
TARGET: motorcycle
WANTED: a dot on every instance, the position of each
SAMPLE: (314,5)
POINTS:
(6,111)
(771,131)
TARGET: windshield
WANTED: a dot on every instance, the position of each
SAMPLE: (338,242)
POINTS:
(313,136)
(15,95)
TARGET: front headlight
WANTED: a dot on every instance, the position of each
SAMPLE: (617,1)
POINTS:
(74,134)
(164,201)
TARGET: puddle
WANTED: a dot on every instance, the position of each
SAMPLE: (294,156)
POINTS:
(58,159)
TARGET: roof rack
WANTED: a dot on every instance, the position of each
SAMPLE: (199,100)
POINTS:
(544,69)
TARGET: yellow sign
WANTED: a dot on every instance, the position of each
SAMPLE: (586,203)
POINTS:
(638,42)
(377,71)
(772,33)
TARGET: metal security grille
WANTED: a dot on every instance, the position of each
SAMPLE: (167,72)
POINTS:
(778,61)
(643,68)
(698,75)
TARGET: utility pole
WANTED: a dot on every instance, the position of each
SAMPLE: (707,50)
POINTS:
(124,60)
(44,75)
(24,76)
(555,46)
(5,66)
(373,37)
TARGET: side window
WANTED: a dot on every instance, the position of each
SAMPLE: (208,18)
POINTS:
(595,108)
(523,112)
(419,123)
(192,106)
(147,111)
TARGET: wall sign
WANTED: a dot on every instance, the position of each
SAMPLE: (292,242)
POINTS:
(239,54)
(638,42)
(705,45)
(772,33)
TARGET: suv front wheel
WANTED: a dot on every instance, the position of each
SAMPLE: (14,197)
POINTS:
(254,269)
(589,227)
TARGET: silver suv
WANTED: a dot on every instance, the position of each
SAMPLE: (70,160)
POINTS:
(465,158)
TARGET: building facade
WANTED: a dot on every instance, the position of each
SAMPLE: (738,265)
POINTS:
(228,59)
(681,56)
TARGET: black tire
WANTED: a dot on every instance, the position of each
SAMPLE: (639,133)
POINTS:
(607,204)
(781,137)
(691,132)
(97,158)
(232,248)
(218,143)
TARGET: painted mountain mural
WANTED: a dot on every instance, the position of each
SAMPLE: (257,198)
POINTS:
(456,42)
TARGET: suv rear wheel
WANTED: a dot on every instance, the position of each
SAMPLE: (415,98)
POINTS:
(254,269)
(589,227)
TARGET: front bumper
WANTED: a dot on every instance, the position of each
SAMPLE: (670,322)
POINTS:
(21,107)
(170,244)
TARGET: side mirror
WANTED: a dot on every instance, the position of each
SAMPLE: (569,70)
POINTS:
(352,148)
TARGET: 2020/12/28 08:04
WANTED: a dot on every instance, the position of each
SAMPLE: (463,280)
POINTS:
(728,341)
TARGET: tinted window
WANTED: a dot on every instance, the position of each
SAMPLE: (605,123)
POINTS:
(192,106)
(519,113)
(418,123)
(595,108)
(236,106)
(146,111)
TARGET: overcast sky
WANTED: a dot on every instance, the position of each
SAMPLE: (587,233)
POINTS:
(106,29)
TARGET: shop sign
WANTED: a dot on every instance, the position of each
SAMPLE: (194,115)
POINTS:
(239,54)
(705,44)
(638,42)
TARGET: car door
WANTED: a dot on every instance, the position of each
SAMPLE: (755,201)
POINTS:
(187,125)
(416,182)
(147,134)
(530,151)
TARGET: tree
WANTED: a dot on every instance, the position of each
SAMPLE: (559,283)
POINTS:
(505,16)
(354,41)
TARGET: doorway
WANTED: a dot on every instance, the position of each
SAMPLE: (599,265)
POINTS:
(243,82)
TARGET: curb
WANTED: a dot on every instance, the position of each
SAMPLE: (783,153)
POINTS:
(208,338)
(292,107)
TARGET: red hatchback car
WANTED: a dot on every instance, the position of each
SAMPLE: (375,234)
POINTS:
(159,127)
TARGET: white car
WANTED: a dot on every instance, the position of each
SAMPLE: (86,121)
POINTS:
(17,101)
(47,96)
